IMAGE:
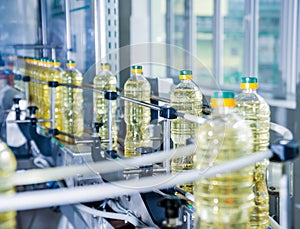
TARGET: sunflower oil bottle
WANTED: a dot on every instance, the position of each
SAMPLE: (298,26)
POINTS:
(253,107)
(105,81)
(223,201)
(38,87)
(72,100)
(137,117)
(8,165)
(45,101)
(186,97)
(56,74)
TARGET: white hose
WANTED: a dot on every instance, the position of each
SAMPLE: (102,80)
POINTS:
(286,133)
(66,196)
(274,224)
(58,173)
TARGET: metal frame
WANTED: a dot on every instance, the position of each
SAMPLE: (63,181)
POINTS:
(189,34)
(68,29)
(251,38)
(218,43)
(288,29)
(169,34)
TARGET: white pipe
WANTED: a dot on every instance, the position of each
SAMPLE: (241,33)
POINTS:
(66,196)
(283,197)
(286,133)
(58,173)
(274,224)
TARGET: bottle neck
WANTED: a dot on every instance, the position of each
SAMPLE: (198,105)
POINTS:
(249,90)
(222,111)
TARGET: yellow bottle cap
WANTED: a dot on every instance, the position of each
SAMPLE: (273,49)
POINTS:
(249,83)
(137,69)
(185,75)
(222,99)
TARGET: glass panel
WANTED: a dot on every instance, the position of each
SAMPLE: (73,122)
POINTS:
(179,23)
(268,42)
(203,11)
(18,25)
(158,36)
(233,12)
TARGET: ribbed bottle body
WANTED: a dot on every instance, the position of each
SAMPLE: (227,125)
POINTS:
(72,104)
(8,166)
(105,81)
(226,200)
(185,98)
(137,117)
(56,74)
(254,109)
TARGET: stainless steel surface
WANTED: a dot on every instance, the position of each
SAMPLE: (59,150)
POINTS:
(166,142)
(52,107)
(109,124)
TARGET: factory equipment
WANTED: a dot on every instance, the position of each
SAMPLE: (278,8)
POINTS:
(93,177)
(127,198)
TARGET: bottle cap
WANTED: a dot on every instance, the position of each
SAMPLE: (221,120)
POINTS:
(222,99)
(185,75)
(56,63)
(71,63)
(249,83)
(137,69)
(105,66)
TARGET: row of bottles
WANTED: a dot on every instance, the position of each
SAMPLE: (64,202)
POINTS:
(238,126)
(68,100)
(233,200)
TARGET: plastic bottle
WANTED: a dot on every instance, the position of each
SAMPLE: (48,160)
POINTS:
(72,100)
(186,97)
(45,106)
(8,165)
(137,117)
(225,200)
(56,74)
(253,107)
(105,81)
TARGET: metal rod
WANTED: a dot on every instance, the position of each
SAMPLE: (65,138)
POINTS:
(218,31)
(109,124)
(103,29)
(251,38)
(166,142)
(96,32)
(43,5)
(26,88)
(53,53)
(52,107)
(169,34)
(68,28)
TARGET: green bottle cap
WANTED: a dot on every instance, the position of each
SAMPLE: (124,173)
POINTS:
(185,75)
(136,67)
(223,95)
(249,80)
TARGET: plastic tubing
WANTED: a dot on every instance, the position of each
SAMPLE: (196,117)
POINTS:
(66,196)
